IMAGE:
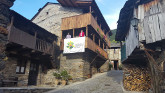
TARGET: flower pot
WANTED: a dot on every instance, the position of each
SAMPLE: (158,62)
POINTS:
(56,82)
(63,82)
(89,75)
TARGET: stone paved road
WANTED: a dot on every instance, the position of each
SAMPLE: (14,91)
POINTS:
(109,82)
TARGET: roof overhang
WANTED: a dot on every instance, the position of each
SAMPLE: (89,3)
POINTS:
(75,3)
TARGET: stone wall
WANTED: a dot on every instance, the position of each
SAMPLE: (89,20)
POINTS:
(10,71)
(46,79)
(23,78)
(4,21)
(50,17)
(114,55)
(74,64)
(10,68)
(79,65)
(105,67)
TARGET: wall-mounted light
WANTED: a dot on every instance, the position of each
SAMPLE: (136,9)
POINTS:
(134,23)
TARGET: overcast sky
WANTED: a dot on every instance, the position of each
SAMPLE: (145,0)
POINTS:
(109,8)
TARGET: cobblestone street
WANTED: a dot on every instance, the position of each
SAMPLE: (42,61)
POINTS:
(109,82)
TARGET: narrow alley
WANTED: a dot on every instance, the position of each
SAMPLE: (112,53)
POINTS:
(108,82)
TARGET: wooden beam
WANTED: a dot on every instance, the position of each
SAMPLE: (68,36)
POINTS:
(94,37)
(90,9)
(103,45)
(73,32)
(81,2)
(87,31)
(73,2)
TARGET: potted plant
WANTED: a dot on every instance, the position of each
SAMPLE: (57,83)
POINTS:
(65,77)
(58,78)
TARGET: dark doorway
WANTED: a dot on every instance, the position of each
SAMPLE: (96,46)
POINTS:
(116,65)
(33,73)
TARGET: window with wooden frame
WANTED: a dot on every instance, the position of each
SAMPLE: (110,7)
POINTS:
(21,66)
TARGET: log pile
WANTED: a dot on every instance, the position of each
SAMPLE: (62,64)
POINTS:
(136,78)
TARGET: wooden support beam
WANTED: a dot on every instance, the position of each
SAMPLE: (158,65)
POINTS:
(94,37)
(90,9)
(73,32)
(86,31)
(103,45)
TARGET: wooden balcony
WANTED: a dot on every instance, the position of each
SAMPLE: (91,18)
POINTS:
(81,21)
(22,38)
(90,44)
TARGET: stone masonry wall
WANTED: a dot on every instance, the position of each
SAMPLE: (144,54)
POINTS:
(23,78)
(4,21)
(79,65)
(50,18)
(10,68)
(10,71)
(74,64)
(105,67)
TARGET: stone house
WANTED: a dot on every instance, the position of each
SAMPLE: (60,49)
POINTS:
(72,17)
(115,55)
(141,25)
(27,52)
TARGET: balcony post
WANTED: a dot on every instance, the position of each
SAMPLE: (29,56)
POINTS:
(90,9)
(94,37)
(86,31)
(103,45)
(73,32)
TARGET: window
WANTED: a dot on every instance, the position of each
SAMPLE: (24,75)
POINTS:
(21,66)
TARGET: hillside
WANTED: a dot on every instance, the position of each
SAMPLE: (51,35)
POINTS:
(113,36)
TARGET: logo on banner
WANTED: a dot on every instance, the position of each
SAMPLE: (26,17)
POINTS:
(70,45)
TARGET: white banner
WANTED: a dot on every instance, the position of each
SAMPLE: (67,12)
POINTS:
(74,45)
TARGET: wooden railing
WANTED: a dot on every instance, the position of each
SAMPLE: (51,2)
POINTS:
(90,44)
(22,38)
(44,46)
(83,20)
(78,21)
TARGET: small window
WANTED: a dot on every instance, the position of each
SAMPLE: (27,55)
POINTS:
(21,66)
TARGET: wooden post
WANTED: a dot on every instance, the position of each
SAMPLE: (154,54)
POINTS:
(73,32)
(90,9)
(103,45)
(62,34)
(10,26)
(86,31)
(94,37)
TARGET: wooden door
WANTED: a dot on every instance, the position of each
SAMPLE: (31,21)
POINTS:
(115,65)
(33,73)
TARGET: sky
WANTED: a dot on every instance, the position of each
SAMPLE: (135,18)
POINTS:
(109,8)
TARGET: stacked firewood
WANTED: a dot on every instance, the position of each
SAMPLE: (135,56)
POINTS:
(136,78)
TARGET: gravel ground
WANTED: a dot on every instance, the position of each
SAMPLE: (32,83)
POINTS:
(109,82)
